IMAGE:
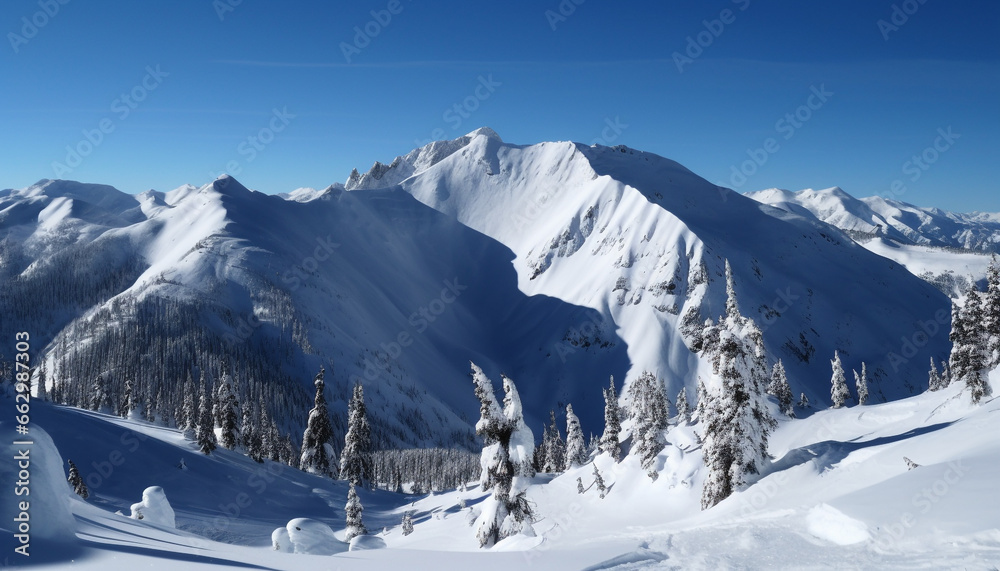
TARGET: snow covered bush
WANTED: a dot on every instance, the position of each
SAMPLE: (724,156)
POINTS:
(154,508)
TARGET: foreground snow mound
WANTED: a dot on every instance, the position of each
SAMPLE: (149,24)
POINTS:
(829,523)
(33,478)
(154,508)
(312,537)
(366,542)
(281,542)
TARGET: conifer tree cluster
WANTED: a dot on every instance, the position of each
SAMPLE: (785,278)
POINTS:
(649,410)
(550,456)
(76,481)
(975,337)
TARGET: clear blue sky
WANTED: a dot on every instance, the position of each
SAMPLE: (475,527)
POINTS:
(606,62)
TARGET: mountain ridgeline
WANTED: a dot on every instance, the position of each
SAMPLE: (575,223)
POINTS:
(557,264)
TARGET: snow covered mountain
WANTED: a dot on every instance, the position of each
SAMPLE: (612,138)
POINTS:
(558,263)
(944,248)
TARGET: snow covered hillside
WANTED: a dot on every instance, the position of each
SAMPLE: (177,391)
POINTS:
(839,493)
(557,263)
(944,248)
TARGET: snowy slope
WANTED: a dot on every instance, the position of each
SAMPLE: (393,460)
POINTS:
(838,494)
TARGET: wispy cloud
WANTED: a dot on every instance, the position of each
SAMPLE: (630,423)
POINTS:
(434,63)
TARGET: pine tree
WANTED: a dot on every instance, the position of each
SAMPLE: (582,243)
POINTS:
(612,424)
(490,428)
(576,449)
(128,403)
(803,401)
(189,411)
(227,412)
(779,389)
(602,489)
(205,430)
(579,486)
(354,511)
(317,456)
(861,382)
(355,460)
(933,378)
(838,389)
(683,408)
(407,523)
(991,316)
(705,399)
(555,448)
(737,422)
(74,479)
(520,445)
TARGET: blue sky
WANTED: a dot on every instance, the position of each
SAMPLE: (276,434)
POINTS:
(783,93)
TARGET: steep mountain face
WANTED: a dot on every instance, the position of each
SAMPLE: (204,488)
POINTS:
(557,264)
(642,240)
(946,249)
(890,218)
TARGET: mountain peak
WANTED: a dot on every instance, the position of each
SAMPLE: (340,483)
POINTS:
(229,186)
(486,132)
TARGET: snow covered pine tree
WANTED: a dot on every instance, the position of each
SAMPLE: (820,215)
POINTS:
(355,460)
(317,455)
(576,448)
(736,418)
(506,462)
(838,383)
(610,444)
(353,511)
